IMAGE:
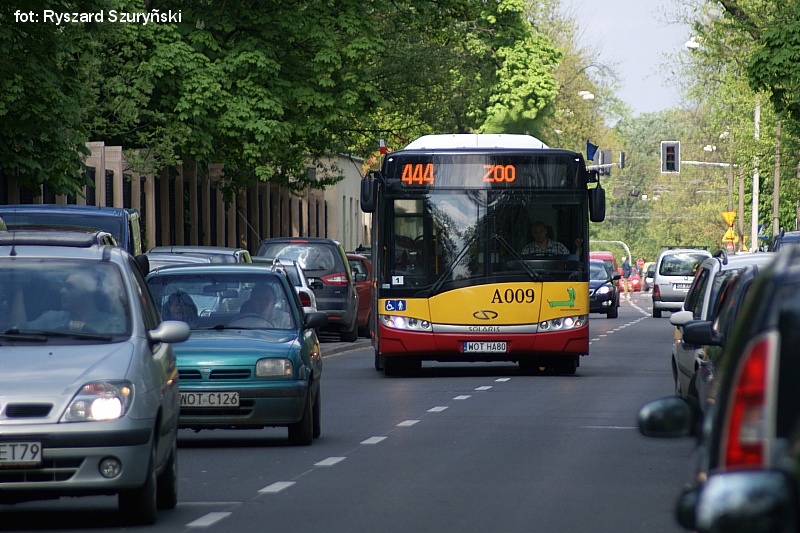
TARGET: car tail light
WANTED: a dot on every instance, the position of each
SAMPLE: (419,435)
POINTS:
(337,278)
(748,420)
(656,291)
(305,299)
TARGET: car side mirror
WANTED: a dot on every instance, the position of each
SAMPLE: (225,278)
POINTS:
(315,319)
(755,501)
(672,416)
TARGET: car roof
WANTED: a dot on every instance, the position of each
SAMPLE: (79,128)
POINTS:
(740,260)
(181,249)
(98,210)
(301,240)
(55,237)
(219,268)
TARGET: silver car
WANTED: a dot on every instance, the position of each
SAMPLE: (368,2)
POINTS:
(88,380)
(675,270)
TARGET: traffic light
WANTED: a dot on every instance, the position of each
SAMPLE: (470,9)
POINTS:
(670,156)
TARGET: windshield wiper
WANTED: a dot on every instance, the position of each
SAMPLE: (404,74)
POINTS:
(437,285)
(42,335)
(16,334)
(532,273)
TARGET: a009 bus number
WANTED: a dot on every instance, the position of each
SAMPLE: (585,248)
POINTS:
(513,296)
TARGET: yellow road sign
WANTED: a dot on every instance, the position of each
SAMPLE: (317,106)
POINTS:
(729,217)
(730,236)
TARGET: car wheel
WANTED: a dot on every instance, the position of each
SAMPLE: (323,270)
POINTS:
(302,433)
(138,506)
(656,313)
(614,311)
(351,335)
(317,414)
(167,485)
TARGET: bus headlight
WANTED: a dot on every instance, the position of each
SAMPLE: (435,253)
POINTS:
(563,323)
(405,323)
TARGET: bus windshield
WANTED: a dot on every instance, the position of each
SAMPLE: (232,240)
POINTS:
(442,239)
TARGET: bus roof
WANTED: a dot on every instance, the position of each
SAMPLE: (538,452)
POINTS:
(475,140)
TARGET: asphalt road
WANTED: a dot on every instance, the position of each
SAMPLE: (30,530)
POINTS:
(458,448)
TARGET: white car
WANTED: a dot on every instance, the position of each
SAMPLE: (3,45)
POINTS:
(297,277)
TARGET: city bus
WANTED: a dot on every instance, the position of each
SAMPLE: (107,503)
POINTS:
(454,277)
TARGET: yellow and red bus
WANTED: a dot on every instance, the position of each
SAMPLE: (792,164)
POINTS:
(454,276)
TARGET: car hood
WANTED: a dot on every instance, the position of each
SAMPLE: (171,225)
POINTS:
(55,370)
(597,283)
(210,344)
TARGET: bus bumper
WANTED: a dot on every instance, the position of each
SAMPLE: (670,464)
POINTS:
(450,346)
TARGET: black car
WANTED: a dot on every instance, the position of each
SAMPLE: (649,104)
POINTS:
(747,477)
(328,271)
(603,291)
(785,238)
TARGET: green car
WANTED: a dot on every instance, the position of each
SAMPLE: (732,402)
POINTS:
(253,359)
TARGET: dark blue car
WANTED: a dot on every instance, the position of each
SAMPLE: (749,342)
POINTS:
(603,291)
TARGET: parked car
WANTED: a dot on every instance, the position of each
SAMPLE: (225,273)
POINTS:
(87,388)
(362,273)
(217,254)
(747,475)
(254,359)
(297,277)
(165,260)
(603,290)
(325,263)
(675,269)
(711,276)
(123,223)
(785,238)
(649,272)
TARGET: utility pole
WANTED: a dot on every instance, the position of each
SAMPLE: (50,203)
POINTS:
(754,219)
(776,190)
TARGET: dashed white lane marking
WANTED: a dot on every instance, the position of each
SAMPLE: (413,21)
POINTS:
(373,440)
(330,461)
(503,379)
(407,423)
(208,519)
(608,427)
(437,409)
(277,487)
(463,397)
(484,387)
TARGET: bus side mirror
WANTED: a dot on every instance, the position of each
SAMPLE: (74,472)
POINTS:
(369,191)
(597,204)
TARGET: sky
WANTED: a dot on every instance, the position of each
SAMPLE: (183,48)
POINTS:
(632,36)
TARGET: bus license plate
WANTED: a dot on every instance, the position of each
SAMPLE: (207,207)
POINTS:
(209,399)
(20,453)
(485,347)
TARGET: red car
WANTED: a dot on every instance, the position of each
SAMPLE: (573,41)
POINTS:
(362,274)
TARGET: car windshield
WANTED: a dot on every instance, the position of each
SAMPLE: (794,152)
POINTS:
(223,300)
(63,300)
(681,264)
(598,271)
(309,256)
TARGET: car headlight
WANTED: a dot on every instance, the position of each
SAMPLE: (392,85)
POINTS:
(274,368)
(406,323)
(100,400)
(605,289)
(563,323)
